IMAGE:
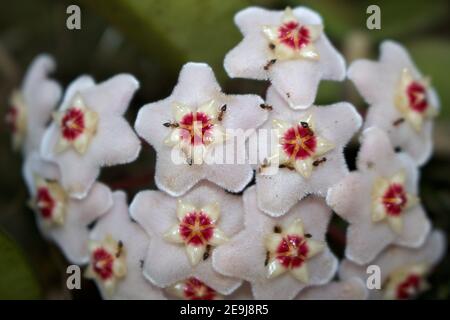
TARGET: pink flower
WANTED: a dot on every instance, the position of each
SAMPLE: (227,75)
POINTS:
(184,233)
(309,151)
(60,218)
(401,100)
(403,270)
(288,48)
(191,123)
(31,106)
(117,249)
(89,131)
(380,200)
(279,256)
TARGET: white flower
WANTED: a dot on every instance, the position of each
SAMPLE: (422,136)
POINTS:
(191,123)
(117,250)
(89,131)
(379,200)
(349,289)
(289,48)
(309,150)
(403,270)
(184,233)
(279,256)
(31,106)
(401,100)
(59,217)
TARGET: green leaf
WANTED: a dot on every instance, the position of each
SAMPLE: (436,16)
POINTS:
(174,31)
(17,280)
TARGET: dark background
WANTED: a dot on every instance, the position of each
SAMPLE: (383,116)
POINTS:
(152,39)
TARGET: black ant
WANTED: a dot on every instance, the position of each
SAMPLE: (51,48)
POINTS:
(207,252)
(269,64)
(222,112)
(119,249)
(398,122)
(171,125)
(317,162)
(266,106)
(266,262)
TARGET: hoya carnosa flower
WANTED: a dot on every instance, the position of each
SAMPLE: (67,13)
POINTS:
(60,218)
(89,131)
(401,100)
(189,126)
(349,289)
(279,256)
(289,48)
(193,289)
(31,105)
(403,271)
(380,200)
(304,154)
(184,233)
(117,249)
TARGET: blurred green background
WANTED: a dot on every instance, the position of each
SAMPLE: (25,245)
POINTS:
(152,39)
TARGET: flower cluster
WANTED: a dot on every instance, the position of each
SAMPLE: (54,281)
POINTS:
(206,233)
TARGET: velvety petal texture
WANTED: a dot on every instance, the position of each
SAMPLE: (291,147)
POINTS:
(350,289)
(289,48)
(401,100)
(380,200)
(412,264)
(279,256)
(194,122)
(184,232)
(90,132)
(31,106)
(118,225)
(304,151)
(60,218)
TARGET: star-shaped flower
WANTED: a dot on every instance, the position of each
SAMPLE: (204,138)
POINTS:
(60,218)
(31,106)
(403,270)
(350,289)
(279,256)
(193,289)
(401,100)
(308,148)
(117,249)
(379,200)
(289,48)
(190,125)
(89,131)
(185,232)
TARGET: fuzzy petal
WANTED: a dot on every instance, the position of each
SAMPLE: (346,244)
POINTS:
(351,289)
(244,255)
(113,143)
(168,263)
(118,224)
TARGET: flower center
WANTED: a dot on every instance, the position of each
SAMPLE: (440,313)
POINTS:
(196,128)
(196,290)
(395,199)
(196,228)
(292,251)
(409,287)
(293,35)
(299,142)
(45,202)
(102,262)
(72,124)
(417,97)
